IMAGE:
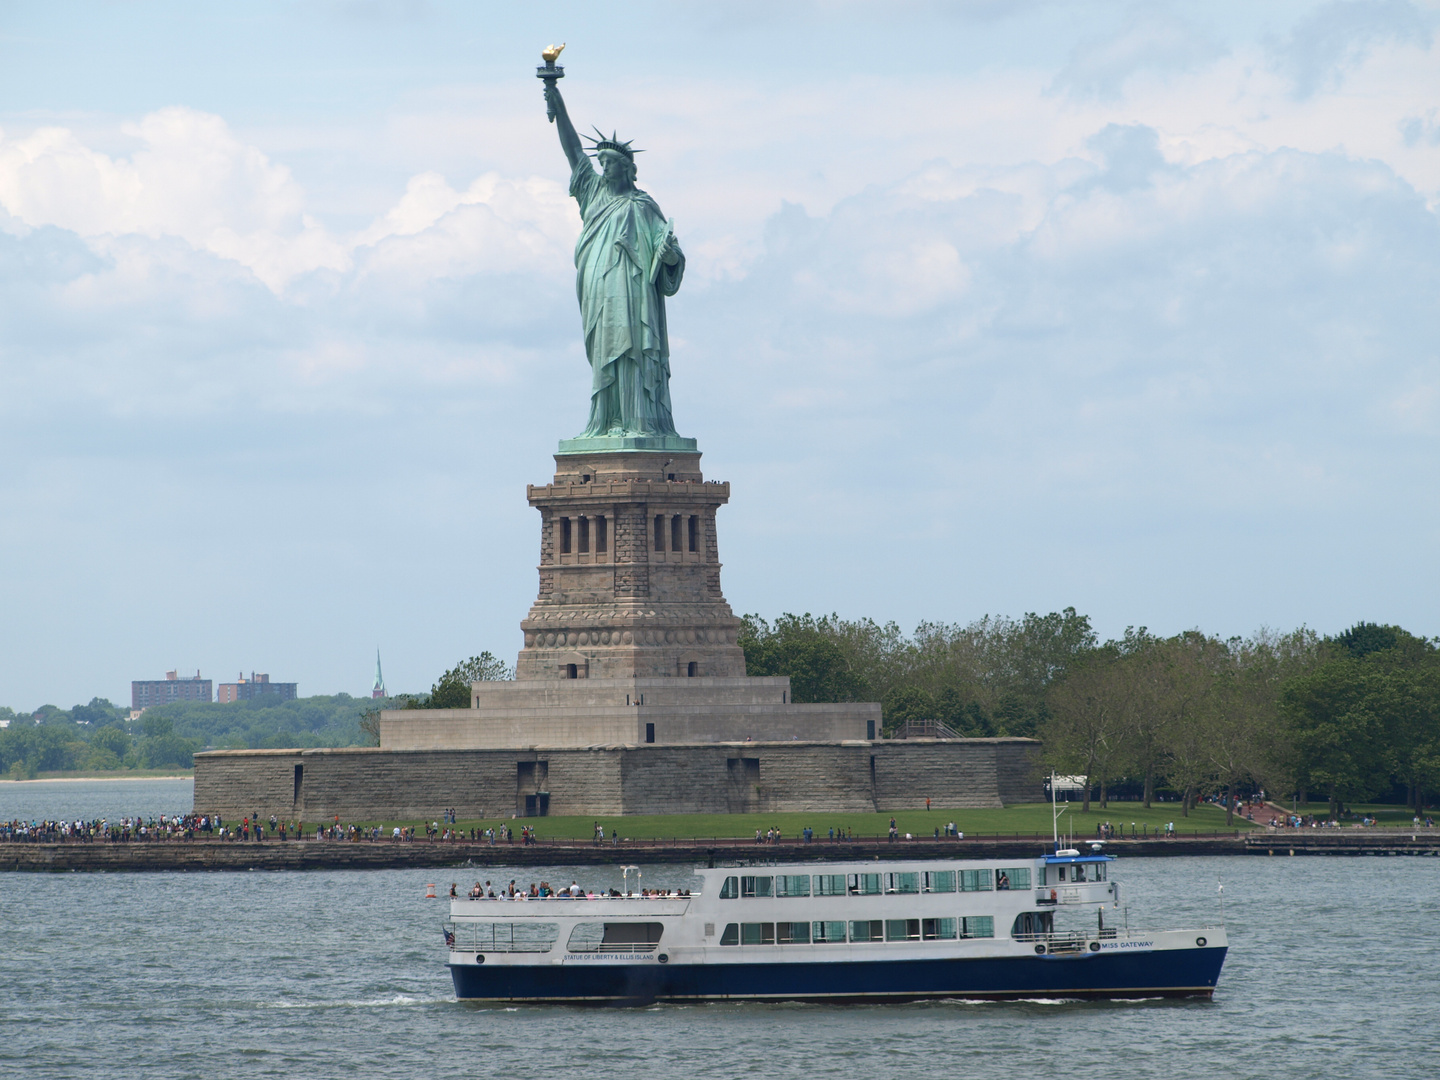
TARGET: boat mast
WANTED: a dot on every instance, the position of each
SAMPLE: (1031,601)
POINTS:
(1054,813)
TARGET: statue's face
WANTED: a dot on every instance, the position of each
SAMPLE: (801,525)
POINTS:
(615,167)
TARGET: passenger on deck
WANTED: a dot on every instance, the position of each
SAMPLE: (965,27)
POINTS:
(1003,881)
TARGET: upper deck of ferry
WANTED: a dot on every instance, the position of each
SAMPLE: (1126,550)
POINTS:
(1065,878)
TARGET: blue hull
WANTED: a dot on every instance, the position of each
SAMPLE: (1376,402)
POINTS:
(1169,973)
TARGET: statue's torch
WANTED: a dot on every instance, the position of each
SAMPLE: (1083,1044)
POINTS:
(550,71)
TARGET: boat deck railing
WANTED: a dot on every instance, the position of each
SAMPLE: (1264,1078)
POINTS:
(1073,941)
(616,947)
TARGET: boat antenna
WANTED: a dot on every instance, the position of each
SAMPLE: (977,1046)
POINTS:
(1054,813)
(1222,900)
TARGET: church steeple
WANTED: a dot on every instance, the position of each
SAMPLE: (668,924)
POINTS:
(379,689)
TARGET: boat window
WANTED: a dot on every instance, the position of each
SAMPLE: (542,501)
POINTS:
(757,886)
(828,932)
(1061,869)
(506,937)
(792,885)
(937,929)
(902,929)
(757,933)
(731,934)
(978,926)
(1013,877)
(731,889)
(616,937)
(940,881)
(864,884)
(867,930)
(792,933)
(1078,871)
(902,883)
(974,880)
(1099,872)
(829,884)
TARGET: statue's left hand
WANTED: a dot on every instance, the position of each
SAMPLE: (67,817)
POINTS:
(670,250)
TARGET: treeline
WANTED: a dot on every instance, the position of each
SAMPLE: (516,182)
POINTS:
(97,736)
(101,736)
(1347,718)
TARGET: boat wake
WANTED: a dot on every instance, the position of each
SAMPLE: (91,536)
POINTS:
(361,1003)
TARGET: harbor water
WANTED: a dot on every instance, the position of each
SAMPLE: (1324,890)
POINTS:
(1331,973)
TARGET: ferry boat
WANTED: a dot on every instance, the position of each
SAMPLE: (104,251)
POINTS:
(905,930)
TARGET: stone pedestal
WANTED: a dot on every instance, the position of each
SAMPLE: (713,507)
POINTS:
(629,568)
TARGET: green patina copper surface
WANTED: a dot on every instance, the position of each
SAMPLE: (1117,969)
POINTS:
(627,261)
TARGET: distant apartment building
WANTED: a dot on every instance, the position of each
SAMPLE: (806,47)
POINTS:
(257,686)
(146,693)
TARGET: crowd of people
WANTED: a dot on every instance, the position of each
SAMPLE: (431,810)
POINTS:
(1310,821)
(250,828)
(136,829)
(543,890)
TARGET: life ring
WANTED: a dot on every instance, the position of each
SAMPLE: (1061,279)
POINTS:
(1200,941)
(1053,896)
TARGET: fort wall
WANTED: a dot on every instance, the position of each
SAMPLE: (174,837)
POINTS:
(369,784)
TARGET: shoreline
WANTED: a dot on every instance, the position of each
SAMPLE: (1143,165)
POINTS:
(223,855)
(92,779)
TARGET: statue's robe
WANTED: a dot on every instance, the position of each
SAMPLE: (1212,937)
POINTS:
(622,285)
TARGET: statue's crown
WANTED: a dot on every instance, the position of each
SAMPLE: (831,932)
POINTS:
(612,143)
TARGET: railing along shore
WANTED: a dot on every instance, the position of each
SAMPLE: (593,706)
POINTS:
(311,853)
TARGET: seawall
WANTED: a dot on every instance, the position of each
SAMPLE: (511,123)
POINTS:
(200,855)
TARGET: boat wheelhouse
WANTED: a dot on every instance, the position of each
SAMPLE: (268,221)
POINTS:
(1049,927)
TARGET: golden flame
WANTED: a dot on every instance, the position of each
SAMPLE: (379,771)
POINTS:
(552,54)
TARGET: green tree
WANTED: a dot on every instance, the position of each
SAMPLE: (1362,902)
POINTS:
(904,703)
(452,689)
(1335,714)
(968,717)
(1088,717)
(112,738)
(805,649)
(1186,671)
(155,724)
(166,750)
(96,714)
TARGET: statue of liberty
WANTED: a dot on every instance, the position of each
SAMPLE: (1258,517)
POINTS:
(627,261)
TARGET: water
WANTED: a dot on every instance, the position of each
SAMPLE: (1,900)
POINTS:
(1331,973)
(89,800)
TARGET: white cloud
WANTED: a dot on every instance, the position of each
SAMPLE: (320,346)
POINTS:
(190,178)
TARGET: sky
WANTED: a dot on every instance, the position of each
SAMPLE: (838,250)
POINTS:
(989,308)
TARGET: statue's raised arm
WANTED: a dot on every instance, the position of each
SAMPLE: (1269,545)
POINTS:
(569,140)
(627,261)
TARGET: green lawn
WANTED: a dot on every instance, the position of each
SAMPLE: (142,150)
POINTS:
(1031,819)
